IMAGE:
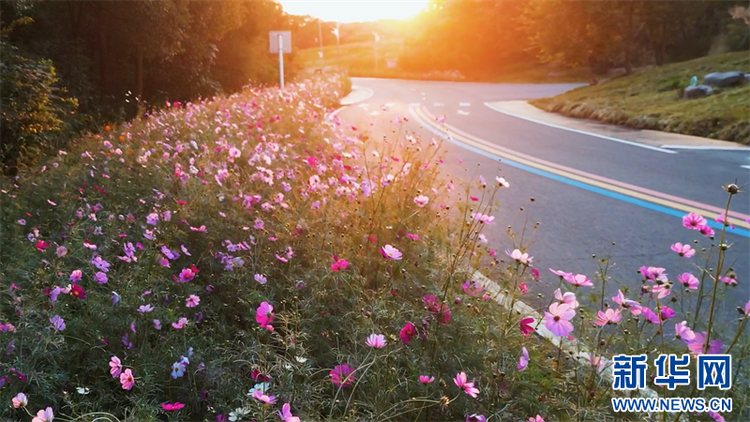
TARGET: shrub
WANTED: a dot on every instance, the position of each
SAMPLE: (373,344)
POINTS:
(34,105)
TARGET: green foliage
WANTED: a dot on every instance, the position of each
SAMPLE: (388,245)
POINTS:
(35,108)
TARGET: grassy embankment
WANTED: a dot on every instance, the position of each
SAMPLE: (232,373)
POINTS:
(650,99)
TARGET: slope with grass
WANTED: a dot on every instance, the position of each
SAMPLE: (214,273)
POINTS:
(650,99)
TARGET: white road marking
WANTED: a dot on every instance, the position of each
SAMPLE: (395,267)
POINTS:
(745,167)
(464,104)
(463,113)
(583,132)
(438,104)
(374,113)
(363,105)
(414,104)
(707,147)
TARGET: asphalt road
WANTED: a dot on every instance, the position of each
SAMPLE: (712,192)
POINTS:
(578,219)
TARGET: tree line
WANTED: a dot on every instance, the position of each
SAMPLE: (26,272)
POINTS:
(481,36)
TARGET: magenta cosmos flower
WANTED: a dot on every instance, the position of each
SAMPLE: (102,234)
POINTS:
(697,345)
(186,275)
(172,406)
(407,332)
(376,341)
(192,301)
(536,418)
(390,252)
(557,320)
(339,264)
(683,250)
(262,397)
(461,381)
(476,418)
(342,375)
(525,326)
(264,316)
(426,379)
(693,221)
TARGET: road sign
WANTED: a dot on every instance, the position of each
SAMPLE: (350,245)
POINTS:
(285,41)
(280,42)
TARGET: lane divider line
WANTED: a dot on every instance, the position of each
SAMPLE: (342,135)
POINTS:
(626,195)
(708,147)
(582,132)
(587,175)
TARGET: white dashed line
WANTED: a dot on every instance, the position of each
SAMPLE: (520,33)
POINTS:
(463,113)
(438,104)
(414,104)
(464,104)
(745,167)
(374,113)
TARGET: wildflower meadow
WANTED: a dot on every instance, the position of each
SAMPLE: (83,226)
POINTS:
(253,257)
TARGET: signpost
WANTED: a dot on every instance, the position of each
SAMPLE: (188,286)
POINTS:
(280,42)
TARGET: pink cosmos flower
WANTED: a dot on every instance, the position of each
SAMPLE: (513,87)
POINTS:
(157,324)
(535,274)
(683,250)
(260,278)
(172,406)
(693,221)
(412,236)
(186,275)
(264,316)
(579,280)
(653,274)
(689,281)
(537,418)
(46,415)
(152,219)
(61,251)
(376,341)
(557,320)
(20,400)
(525,326)
(144,309)
(696,346)
(421,200)
(115,367)
(262,397)
(683,332)
(339,264)
(747,308)
(474,417)
(180,324)
(519,256)
(286,414)
(611,316)
(192,301)
(461,382)
(631,305)
(100,277)
(75,276)
(426,379)
(721,219)
(407,332)
(201,229)
(390,252)
(126,379)
(560,273)
(569,298)
(483,218)
(523,361)
(342,375)
(595,361)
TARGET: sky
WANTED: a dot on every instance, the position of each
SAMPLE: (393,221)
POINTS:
(346,11)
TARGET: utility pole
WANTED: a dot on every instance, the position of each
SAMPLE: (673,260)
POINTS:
(320,40)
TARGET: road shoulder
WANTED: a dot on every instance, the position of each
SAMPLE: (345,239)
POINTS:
(651,138)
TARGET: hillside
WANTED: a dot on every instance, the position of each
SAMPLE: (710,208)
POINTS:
(650,99)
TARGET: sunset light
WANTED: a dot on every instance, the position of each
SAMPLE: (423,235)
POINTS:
(354,10)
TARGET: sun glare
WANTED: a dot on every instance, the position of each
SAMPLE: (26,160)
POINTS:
(354,10)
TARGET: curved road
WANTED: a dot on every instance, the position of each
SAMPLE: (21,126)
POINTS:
(588,191)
